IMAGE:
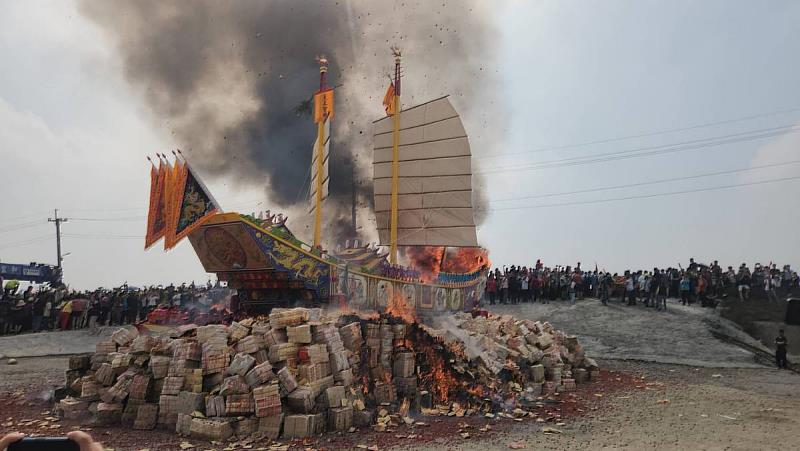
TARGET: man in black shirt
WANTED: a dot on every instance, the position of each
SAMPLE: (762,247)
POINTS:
(780,350)
(134,306)
(38,311)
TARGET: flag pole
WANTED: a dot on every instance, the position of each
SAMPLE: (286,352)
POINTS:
(320,151)
(395,157)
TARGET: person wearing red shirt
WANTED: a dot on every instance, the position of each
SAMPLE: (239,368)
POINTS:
(491,289)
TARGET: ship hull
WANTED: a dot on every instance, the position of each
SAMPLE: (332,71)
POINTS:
(270,270)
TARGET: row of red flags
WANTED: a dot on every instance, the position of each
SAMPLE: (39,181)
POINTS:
(179,203)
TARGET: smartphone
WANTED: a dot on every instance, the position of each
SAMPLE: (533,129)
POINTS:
(44,444)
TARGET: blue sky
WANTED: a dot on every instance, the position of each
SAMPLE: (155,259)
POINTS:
(73,135)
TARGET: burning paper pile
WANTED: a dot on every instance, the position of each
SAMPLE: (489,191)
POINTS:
(506,363)
(298,374)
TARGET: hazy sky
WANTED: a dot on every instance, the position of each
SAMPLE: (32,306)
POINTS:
(73,136)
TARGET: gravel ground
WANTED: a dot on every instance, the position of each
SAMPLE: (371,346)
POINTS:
(680,335)
(25,390)
(680,408)
(45,344)
(639,405)
(718,398)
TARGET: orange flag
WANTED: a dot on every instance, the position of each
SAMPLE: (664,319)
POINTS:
(174,195)
(388,100)
(192,205)
(156,224)
(323,105)
(169,173)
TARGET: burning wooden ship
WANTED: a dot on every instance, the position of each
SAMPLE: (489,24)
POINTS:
(423,199)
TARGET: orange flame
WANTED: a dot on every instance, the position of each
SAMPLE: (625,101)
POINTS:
(399,307)
(425,259)
(441,379)
(464,260)
(430,260)
(476,391)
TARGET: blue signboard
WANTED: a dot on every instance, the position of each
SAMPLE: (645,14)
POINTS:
(37,273)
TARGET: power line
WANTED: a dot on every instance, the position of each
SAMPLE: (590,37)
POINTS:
(106,209)
(644,196)
(125,219)
(143,217)
(648,151)
(652,182)
(26,242)
(28,216)
(22,226)
(654,150)
(642,135)
(98,236)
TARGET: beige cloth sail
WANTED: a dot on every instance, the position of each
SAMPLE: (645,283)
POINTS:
(435,178)
(325,177)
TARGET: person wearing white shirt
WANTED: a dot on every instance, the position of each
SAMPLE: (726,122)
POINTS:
(524,289)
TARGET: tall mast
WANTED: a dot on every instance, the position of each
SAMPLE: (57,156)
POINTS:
(320,151)
(395,156)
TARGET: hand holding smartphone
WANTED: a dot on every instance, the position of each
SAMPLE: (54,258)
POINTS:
(74,441)
(44,444)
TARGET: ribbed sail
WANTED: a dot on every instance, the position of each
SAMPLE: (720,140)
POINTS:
(435,178)
(313,187)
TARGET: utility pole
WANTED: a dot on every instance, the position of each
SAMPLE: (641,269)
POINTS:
(58,222)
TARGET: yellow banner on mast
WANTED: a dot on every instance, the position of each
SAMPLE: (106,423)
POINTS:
(323,112)
(323,105)
(388,100)
(395,88)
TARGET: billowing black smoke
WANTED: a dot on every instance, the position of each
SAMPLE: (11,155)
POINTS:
(225,78)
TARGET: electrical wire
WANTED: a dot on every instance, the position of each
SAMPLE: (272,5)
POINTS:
(126,219)
(22,226)
(651,182)
(26,242)
(643,135)
(98,236)
(70,210)
(648,151)
(23,217)
(645,196)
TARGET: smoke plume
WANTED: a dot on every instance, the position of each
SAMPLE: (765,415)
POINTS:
(225,78)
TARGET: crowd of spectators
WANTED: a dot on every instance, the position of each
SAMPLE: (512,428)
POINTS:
(58,308)
(697,283)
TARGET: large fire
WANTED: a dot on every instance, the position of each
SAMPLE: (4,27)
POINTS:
(464,260)
(430,260)
(441,379)
(398,307)
(425,259)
